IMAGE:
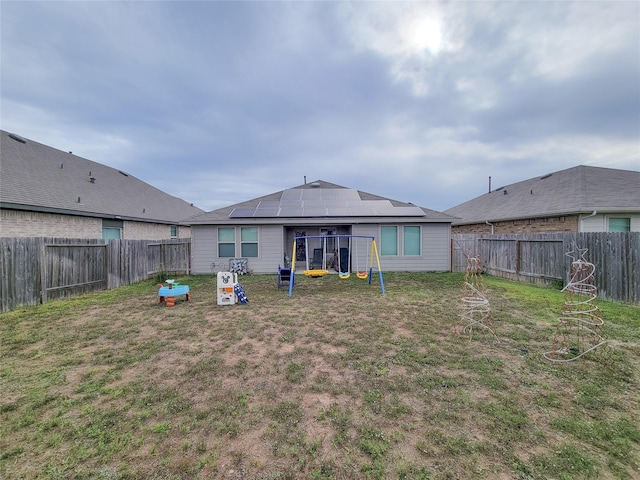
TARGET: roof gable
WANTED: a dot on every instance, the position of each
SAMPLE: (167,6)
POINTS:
(41,178)
(575,190)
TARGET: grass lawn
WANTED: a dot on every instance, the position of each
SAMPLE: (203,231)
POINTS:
(336,382)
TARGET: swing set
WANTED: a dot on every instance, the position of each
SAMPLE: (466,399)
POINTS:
(342,262)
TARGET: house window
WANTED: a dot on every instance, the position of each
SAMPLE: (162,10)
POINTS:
(249,241)
(411,240)
(619,224)
(388,240)
(111,229)
(174,231)
(109,233)
(226,242)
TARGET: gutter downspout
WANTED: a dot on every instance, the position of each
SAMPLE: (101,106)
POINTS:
(490,224)
(593,214)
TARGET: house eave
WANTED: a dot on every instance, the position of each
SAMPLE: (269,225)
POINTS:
(547,215)
(315,220)
(79,213)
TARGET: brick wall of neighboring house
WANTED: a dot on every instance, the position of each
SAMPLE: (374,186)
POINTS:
(20,223)
(565,223)
(152,231)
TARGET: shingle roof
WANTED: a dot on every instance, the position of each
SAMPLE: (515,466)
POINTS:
(41,178)
(576,190)
(222,215)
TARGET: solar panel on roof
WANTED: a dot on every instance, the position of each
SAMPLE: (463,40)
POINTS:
(269,204)
(363,211)
(291,211)
(335,203)
(313,203)
(408,211)
(314,211)
(343,194)
(339,211)
(267,212)
(399,212)
(312,194)
(374,204)
(384,211)
(242,212)
(291,194)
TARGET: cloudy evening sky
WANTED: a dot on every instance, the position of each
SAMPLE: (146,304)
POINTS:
(221,102)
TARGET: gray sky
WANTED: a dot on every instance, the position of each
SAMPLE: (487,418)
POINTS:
(221,102)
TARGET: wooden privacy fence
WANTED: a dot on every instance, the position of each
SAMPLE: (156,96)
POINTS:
(542,258)
(34,270)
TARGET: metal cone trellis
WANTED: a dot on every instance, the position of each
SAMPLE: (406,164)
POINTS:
(580,328)
(475,308)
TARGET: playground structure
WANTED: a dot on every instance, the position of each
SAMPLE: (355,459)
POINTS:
(318,265)
(580,329)
(476,311)
(229,291)
(226,282)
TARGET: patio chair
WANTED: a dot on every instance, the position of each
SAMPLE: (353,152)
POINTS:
(316,262)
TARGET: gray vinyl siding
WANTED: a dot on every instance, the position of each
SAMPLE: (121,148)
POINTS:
(370,230)
(272,247)
(270,250)
(435,251)
(436,247)
(600,222)
(205,248)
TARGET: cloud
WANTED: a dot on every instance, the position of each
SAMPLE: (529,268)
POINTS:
(410,36)
(419,101)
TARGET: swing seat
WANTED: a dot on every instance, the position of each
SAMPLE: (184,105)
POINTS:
(362,275)
(315,273)
(344,275)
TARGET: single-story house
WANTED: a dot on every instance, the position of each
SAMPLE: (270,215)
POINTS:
(45,192)
(262,230)
(578,199)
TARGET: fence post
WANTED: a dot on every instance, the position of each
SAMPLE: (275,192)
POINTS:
(451,255)
(189,257)
(42,254)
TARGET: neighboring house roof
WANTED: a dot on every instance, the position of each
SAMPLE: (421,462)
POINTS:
(317,202)
(576,190)
(39,178)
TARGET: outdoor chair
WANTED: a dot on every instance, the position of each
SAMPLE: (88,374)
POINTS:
(284,276)
(316,262)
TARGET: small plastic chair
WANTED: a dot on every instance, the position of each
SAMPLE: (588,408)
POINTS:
(284,276)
